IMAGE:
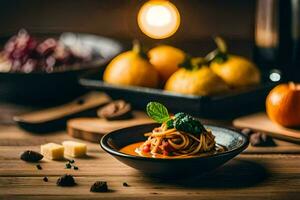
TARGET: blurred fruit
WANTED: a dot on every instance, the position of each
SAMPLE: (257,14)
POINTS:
(235,70)
(23,53)
(166,60)
(283,104)
(131,68)
(196,78)
(47,47)
(20,46)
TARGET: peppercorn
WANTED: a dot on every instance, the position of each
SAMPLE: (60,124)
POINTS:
(71,161)
(31,156)
(66,180)
(39,167)
(68,165)
(45,179)
(125,184)
(99,186)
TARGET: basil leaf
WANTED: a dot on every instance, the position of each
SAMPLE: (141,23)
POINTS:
(157,112)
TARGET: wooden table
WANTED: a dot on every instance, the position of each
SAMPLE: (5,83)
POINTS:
(249,176)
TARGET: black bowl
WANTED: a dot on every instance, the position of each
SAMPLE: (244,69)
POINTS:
(61,84)
(114,141)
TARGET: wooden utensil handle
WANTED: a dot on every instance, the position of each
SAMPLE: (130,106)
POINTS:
(86,102)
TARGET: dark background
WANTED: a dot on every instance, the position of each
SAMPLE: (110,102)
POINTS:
(201,19)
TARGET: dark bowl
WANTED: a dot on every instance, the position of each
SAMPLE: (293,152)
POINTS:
(63,82)
(114,141)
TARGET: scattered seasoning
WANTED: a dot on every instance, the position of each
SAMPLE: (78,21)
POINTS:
(45,179)
(125,184)
(39,167)
(66,180)
(261,139)
(99,186)
(71,161)
(68,165)
(31,156)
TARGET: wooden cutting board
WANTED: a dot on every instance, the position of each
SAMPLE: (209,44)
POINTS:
(261,122)
(92,129)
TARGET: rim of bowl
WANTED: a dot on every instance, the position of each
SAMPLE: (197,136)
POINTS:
(108,149)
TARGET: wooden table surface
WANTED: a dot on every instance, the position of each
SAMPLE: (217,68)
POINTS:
(252,175)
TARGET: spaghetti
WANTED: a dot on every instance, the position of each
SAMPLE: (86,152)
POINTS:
(171,142)
(178,136)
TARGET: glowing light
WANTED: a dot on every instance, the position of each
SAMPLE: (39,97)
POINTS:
(158,19)
(158,16)
(275,76)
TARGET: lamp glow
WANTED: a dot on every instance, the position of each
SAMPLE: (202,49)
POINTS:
(158,19)
(275,76)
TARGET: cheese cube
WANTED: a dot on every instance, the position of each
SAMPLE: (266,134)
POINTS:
(53,151)
(74,149)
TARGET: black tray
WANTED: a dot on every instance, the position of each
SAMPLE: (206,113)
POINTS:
(230,105)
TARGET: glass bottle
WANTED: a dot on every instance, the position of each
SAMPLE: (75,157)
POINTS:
(273,49)
(296,40)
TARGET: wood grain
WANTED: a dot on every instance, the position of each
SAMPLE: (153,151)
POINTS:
(246,176)
(249,176)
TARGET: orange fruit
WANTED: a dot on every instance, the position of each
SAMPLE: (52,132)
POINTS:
(237,71)
(166,60)
(283,104)
(202,81)
(131,68)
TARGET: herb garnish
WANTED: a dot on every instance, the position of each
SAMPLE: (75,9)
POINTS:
(187,123)
(157,112)
(181,121)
